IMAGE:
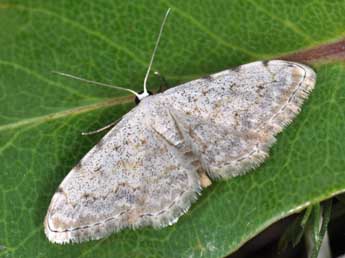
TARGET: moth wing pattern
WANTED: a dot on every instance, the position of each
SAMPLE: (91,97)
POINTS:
(232,117)
(147,170)
(137,175)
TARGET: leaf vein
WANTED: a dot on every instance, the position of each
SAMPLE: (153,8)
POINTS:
(74,111)
(287,23)
(87,31)
(212,35)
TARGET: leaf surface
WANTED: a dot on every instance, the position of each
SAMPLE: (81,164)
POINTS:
(42,115)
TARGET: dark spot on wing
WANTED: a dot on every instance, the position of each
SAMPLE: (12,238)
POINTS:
(236,69)
(207,78)
(60,190)
(161,212)
(100,143)
(86,195)
(265,63)
(189,153)
(89,196)
(78,166)
(196,163)
(98,168)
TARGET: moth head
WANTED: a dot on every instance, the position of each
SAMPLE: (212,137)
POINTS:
(141,95)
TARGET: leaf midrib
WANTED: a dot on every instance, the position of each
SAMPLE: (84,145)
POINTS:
(73,111)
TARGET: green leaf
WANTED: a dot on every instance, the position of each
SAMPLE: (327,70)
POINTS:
(42,115)
(319,219)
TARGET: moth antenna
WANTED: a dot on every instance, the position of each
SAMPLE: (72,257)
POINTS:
(96,83)
(145,93)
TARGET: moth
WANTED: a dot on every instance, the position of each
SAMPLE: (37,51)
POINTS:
(153,164)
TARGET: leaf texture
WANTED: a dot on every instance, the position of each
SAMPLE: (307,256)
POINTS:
(42,115)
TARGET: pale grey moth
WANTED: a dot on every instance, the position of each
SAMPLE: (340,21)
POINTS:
(152,165)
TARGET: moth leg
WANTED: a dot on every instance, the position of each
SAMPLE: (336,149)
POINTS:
(101,129)
(164,82)
(205,181)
